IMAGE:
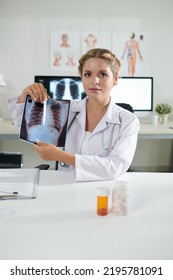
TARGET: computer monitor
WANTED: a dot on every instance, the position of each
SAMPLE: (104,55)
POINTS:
(136,91)
(62,87)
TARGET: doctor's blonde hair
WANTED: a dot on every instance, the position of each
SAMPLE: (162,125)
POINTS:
(105,54)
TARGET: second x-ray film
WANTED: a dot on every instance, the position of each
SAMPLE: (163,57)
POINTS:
(46,122)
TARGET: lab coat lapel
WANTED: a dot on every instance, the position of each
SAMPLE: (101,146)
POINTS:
(111,116)
(78,109)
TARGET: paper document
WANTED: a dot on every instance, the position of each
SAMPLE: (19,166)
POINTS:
(19,183)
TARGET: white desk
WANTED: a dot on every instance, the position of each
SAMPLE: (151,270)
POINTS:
(8,130)
(150,131)
(62,222)
(147,131)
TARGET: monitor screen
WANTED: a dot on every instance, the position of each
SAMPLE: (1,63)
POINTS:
(62,87)
(136,91)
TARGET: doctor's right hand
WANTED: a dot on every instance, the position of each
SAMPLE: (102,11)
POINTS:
(37,92)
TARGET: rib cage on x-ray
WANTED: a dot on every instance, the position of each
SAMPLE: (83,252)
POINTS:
(66,88)
(54,118)
(36,114)
(56,110)
(46,121)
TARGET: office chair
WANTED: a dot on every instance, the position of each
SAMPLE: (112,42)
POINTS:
(15,160)
(42,166)
(11,160)
(126,106)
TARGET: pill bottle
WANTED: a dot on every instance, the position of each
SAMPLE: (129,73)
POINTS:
(102,200)
(120,198)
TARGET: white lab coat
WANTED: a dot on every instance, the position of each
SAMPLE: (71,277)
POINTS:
(111,145)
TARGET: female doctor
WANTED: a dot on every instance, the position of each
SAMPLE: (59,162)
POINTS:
(102,137)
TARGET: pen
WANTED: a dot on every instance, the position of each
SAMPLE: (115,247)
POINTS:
(8,192)
(8,196)
(15,196)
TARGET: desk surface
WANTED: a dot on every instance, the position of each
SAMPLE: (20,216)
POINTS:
(62,222)
(147,130)
(8,130)
(160,131)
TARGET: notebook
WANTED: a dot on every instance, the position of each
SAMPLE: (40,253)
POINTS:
(46,122)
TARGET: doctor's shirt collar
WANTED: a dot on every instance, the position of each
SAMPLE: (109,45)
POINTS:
(112,115)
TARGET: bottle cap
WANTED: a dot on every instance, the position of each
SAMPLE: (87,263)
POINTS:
(102,191)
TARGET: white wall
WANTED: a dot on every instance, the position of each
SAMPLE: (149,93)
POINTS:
(25,27)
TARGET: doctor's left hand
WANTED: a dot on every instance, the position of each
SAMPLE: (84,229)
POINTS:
(47,151)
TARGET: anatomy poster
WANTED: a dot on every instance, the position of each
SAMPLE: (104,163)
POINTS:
(133,50)
(65,50)
(91,40)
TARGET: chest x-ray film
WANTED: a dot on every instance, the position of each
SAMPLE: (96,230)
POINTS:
(46,122)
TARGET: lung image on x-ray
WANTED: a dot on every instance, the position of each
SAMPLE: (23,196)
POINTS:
(66,88)
(46,122)
(62,87)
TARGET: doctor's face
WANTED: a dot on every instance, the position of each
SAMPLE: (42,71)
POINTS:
(98,78)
